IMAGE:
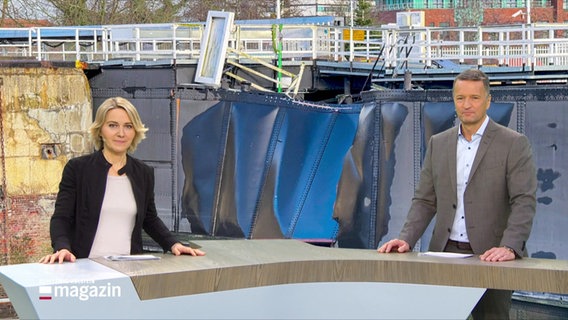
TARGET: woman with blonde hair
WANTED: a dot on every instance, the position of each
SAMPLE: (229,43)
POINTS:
(106,198)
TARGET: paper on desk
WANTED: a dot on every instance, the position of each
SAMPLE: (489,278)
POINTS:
(132,257)
(447,254)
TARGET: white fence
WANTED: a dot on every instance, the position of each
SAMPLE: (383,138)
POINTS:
(528,46)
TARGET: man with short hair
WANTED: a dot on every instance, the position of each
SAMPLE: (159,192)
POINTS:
(479,180)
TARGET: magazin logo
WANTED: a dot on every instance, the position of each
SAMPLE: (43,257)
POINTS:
(82,292)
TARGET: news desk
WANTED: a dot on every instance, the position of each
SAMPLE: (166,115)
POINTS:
(271,279)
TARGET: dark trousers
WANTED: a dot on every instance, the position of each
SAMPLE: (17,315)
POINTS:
(494,304)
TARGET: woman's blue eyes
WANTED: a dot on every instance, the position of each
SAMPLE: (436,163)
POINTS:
(115,125)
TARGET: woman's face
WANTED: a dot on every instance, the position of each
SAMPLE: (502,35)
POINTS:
(117,131)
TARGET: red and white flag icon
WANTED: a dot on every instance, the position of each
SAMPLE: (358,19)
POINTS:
(45,293)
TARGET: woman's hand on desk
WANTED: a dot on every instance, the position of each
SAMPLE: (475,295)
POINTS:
(179,249)
(60,256)
(394,245)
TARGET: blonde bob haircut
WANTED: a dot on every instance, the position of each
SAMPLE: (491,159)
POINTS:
(113,103)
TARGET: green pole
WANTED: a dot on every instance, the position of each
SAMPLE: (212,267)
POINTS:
(279,57)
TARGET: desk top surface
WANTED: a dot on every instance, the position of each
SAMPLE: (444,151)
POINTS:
(237,264)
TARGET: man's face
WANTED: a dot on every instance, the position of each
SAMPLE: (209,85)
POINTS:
(471,101)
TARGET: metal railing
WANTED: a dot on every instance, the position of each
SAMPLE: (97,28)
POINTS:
(528,46)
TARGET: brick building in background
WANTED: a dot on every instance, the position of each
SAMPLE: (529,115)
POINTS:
(455,13)
(447,13)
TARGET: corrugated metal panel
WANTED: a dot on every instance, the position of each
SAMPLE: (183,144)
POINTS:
(263,166)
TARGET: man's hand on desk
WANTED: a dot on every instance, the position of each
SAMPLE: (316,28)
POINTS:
(498,254)
(394,245)
(60,256)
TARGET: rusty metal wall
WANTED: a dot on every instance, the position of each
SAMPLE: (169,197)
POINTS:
(45,112)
